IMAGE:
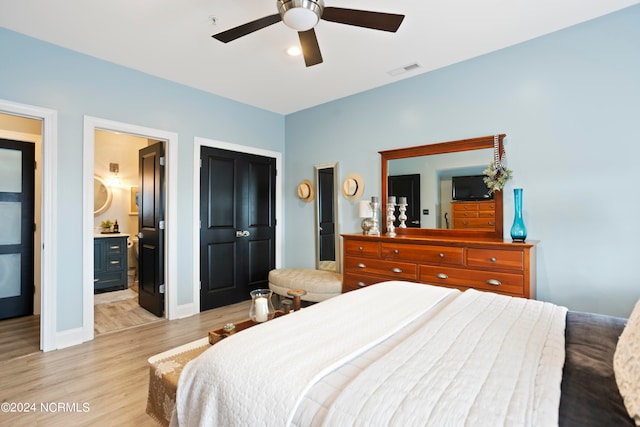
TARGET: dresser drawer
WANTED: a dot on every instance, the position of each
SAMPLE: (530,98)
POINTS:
(361,248)
(495,258)
(390,269)
(430,254)
(460,207)
(487,207)
(476,223)
(108,280)
(486,214)
(114,263)
(508,283)
(467,214)
(351,282)
(115,247)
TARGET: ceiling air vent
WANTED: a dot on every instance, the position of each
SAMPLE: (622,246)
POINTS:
(404,69)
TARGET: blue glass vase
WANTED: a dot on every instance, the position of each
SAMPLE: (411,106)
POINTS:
(518,229)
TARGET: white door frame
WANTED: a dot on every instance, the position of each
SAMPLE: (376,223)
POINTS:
(198,143)
(49,185)
(91,124)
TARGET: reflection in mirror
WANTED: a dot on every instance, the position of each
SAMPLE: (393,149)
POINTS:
(426,182)
(406,188)
(101,196)
(432,168)
(327,242)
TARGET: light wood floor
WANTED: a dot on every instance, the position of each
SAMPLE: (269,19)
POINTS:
(21,336)
(120,315)
(109,374)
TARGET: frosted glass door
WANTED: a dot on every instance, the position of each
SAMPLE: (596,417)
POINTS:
(16,228)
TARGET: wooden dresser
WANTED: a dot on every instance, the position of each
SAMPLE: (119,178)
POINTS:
(476,215)
(496,266)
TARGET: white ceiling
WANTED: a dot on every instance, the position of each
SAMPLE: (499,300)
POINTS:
(172,39)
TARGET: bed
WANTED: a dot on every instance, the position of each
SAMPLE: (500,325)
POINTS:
(401,353)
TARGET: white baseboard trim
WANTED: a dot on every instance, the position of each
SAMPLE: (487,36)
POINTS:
(184,310)
(69,338)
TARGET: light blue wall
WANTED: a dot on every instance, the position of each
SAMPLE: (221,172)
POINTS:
(569,103)
(43,75)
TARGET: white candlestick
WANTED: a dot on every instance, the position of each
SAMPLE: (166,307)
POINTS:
(402,217)
(262,310)
(391,209)
(374,230)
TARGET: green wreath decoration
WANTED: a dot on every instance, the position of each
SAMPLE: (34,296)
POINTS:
(496,176)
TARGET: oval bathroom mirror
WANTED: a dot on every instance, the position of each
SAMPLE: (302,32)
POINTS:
(101,196)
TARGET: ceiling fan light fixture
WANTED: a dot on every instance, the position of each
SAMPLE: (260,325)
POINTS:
(301,15)
(293,51)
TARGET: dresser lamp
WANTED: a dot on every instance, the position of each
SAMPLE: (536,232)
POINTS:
(365,213)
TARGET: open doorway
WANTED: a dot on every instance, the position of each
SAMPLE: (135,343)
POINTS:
(49,184)
(20,234)
(116,229)
(94,130)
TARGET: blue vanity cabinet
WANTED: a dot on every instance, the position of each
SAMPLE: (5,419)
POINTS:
(110,263)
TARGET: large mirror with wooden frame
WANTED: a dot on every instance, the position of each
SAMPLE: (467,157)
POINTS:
(429,176)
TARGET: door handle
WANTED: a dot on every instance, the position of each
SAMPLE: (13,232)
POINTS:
(242,233)
(140,235)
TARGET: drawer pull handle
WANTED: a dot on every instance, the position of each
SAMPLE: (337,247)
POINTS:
(396,270)
(494,282)
(442,276)
(395,251)
(441,255)
(360,248)
(493,259)
(361,284)
(114,247)
(361,265)
(115,262)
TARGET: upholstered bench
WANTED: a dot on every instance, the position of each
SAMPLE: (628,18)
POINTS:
(164,372)
(319,284)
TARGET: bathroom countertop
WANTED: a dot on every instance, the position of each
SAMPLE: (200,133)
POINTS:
(102,236)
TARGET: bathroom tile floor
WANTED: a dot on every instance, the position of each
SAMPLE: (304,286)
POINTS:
(121,315)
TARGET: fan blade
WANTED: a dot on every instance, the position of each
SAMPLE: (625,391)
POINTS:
(363,18)
(310,47)
(248,28)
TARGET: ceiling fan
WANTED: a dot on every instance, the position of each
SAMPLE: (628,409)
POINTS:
(304,15)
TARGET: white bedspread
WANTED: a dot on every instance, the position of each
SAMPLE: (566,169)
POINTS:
(484,360)
(258,377)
